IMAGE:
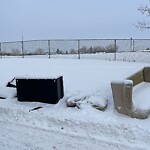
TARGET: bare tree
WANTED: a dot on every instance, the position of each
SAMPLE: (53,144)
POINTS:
(145,10)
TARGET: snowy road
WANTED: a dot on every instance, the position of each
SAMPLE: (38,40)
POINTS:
(18,137)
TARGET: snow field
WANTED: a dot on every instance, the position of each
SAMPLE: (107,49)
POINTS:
(60,127)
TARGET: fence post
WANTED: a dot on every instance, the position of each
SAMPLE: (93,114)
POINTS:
(49,49)
(0,50)
(131,45)
(78,49)
(22,49)
(115,54)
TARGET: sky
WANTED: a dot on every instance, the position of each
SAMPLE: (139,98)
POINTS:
(70,19)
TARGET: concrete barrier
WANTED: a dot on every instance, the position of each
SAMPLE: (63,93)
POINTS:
(122,94)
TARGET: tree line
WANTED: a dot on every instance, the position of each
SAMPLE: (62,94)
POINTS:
(111,48)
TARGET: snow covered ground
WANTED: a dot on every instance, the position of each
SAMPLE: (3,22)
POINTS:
(60,127)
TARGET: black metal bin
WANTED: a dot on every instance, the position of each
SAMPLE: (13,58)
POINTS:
(40,89)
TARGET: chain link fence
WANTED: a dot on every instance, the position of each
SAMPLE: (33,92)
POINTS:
(110,49)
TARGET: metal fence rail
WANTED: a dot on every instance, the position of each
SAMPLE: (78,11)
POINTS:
(112,49)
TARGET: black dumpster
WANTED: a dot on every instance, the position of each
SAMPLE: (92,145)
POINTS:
(40,90)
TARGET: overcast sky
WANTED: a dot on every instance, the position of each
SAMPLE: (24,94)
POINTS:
(70,19)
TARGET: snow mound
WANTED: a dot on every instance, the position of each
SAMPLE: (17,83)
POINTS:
(6,92)
(97,102)
(80,99)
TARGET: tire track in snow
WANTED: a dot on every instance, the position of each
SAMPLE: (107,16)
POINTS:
(19,137)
